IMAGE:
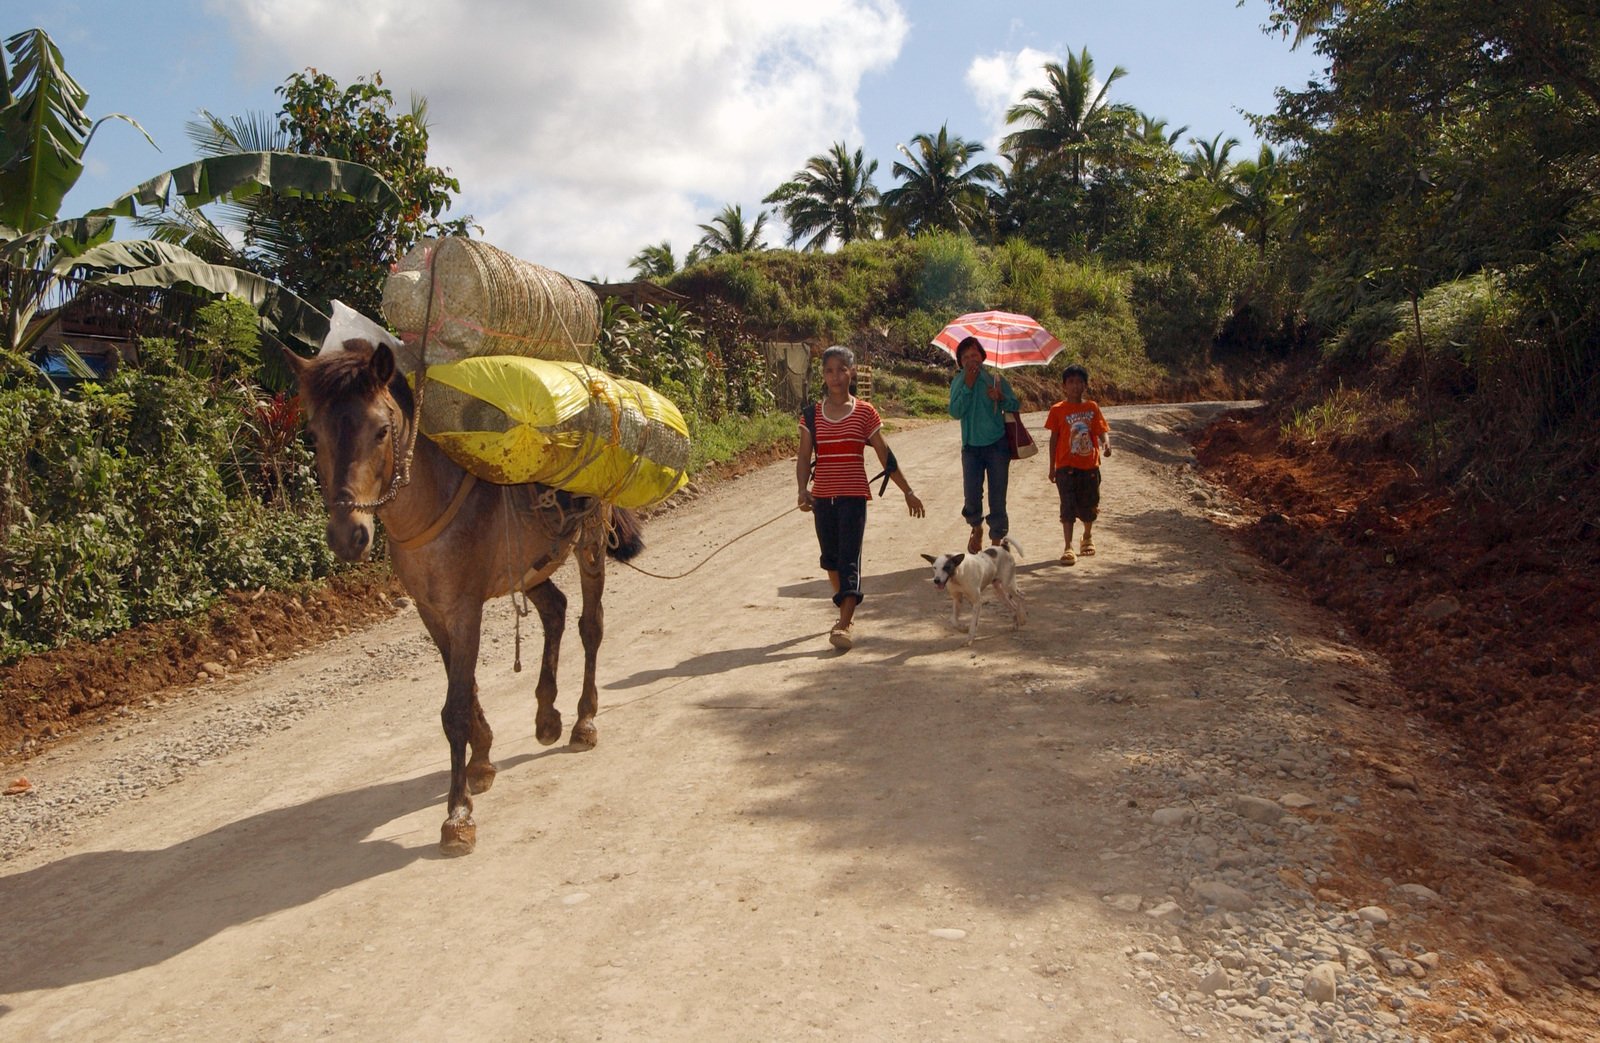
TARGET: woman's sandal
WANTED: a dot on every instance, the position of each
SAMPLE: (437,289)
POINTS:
(840,639)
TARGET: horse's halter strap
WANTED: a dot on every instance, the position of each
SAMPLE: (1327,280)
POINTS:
(453,508)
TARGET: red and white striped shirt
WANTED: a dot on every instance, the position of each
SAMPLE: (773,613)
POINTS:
(841,470)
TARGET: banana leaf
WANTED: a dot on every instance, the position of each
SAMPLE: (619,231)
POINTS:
(243,174)
(282,312)
(72,236)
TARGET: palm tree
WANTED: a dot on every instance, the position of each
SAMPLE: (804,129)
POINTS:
(1209,160)
(727,234)
(1314,17)
(654,262)
(1255,200)
(832,198)
(1151,131)
(939,188)
(1069,123)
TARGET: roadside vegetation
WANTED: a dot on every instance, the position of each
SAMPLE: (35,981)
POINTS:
(1415,243)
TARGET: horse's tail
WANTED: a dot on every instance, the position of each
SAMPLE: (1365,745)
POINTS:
(626,538)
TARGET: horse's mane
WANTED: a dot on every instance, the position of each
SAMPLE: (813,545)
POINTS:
(348,373)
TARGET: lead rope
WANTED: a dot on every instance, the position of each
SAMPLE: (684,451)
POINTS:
(517,611)
(719,550)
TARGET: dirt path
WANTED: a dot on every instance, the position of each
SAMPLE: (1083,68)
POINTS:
(1039,836)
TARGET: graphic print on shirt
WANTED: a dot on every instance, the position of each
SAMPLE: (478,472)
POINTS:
(1081,444)
(1078,428)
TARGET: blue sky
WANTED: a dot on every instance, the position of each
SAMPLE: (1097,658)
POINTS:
(583,130)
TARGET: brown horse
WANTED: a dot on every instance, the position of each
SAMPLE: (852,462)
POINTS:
(455,543)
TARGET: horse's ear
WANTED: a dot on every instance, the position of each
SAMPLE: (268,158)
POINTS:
(383,364)
(297,365)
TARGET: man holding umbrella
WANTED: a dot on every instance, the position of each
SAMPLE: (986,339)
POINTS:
(979,399)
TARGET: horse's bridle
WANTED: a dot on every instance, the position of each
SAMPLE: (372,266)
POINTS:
(402,468)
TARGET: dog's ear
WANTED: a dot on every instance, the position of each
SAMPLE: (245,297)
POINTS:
(930,559)
(955,559)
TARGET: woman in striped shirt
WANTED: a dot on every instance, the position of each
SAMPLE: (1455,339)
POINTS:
(838,493)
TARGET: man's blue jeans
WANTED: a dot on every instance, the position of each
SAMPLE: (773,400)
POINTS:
(994,463)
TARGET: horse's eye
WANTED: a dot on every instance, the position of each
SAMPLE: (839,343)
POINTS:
(383,433)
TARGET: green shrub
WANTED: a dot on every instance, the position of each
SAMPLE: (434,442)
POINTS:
(1366,334)
(721,440)
(953,278)
(128,504)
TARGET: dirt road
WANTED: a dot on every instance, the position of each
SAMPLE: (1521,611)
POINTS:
(915,840)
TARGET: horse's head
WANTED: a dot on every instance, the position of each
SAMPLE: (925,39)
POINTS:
(355,411)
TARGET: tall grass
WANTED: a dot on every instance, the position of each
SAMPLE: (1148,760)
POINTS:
(724,439)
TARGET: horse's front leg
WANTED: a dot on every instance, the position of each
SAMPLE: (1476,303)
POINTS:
(552,606)
(591,627)
(462,718)
(480,769)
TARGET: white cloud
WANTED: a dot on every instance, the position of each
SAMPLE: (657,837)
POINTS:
(581,132)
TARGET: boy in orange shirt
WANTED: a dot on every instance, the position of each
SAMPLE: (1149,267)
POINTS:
(1079,434)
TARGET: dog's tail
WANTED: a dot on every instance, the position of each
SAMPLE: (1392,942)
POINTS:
(1012,546)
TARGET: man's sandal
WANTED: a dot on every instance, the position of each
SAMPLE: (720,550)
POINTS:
(1086,548)
(840,639)
(975,541)
(1067,557)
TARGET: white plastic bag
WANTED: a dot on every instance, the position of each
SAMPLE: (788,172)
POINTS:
(349,324)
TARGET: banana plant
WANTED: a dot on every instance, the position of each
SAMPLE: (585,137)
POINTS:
(45,258)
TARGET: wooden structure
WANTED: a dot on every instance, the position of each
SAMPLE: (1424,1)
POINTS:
(636,294)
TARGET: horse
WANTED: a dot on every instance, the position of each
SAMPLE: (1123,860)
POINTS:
(455,543)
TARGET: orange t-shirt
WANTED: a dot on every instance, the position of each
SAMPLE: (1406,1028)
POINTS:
(1078,427)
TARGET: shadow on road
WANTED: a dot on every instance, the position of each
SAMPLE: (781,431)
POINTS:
(987,764)
(104,913)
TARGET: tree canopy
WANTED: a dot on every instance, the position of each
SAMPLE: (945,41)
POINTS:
(323,251)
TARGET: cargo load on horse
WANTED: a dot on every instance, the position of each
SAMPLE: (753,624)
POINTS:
(460,298)
(564,424)
(509,394)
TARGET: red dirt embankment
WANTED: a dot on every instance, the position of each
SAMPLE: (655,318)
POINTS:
(1492,619)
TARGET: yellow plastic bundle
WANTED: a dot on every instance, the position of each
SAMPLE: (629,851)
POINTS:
(511,419)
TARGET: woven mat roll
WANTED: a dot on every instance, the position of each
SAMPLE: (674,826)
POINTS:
(487,302)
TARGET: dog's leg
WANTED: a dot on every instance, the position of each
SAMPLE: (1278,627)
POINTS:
(1013,601)
(972,629)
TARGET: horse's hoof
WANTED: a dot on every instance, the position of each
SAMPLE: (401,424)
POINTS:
(547,727)
(480,777)
(458,837)
(585,736)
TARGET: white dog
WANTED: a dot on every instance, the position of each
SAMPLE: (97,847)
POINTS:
(966,576)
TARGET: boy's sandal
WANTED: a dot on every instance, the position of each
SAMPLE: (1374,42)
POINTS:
(1068,558)
(975,541)
(840,639)
(1086,548)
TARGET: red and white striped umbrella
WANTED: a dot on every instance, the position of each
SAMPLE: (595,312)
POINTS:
(1010,340)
